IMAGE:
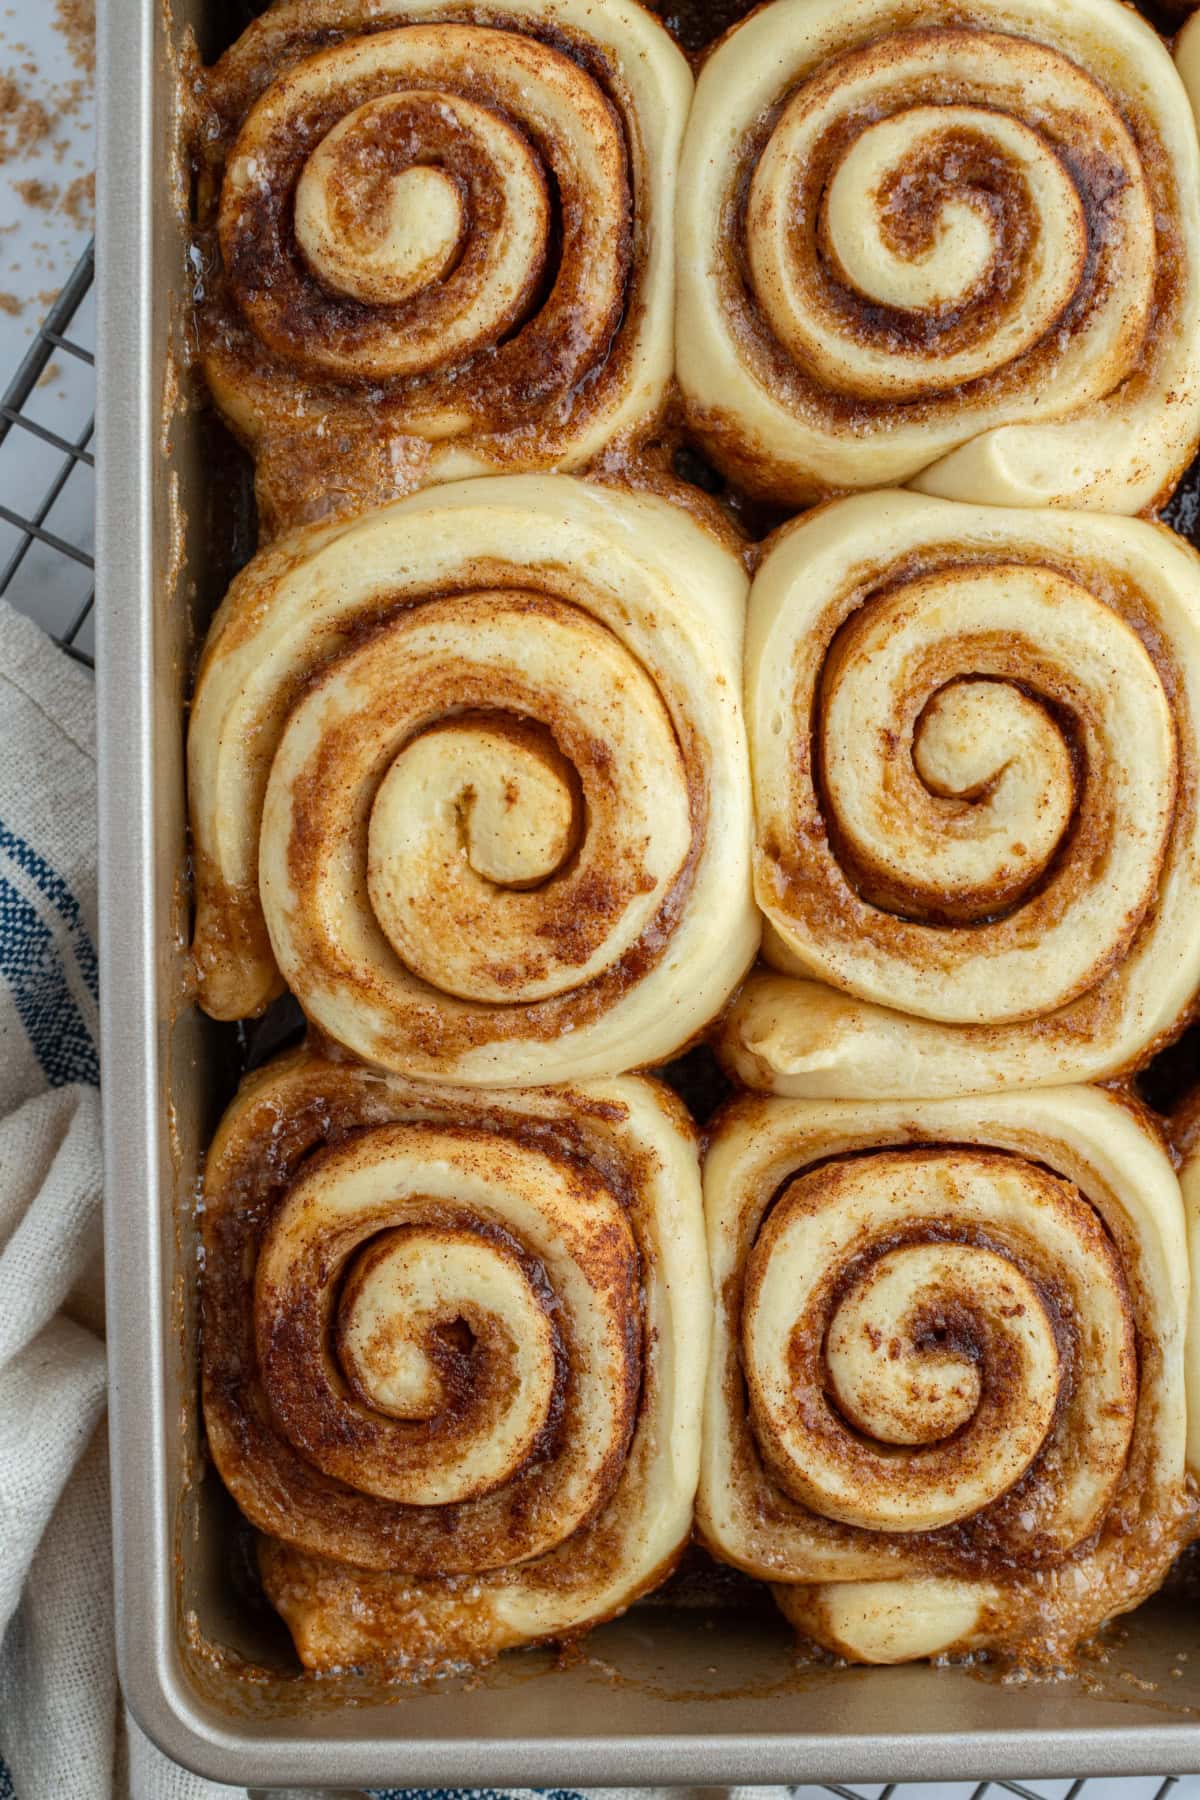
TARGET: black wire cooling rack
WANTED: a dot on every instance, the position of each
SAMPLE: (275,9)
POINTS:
(47,472)
(1097,1788)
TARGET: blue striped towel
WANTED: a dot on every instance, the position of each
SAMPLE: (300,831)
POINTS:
(48,974)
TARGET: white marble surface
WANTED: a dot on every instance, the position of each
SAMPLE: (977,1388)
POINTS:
(39,246)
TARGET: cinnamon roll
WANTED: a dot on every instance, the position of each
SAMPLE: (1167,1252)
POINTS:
(957,244)
(946,1407)
(1185,1142)
(469,773)
(973,736)
(453,1353)
(441,238)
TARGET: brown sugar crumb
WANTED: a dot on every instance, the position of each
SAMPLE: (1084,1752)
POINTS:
(11,304)
(37,193)
(26,117)
(50,373)
(79,200)
(76,20)
(24,121)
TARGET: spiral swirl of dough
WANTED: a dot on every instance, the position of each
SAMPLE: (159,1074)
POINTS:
(962,247)
(443,1339)
(444,244)
(974,749)
(946,1408)
(470,772)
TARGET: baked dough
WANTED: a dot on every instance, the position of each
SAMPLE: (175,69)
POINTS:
(947,1408)
(957,245)
(441,240)
(469,773)
(973,736)
(454,1352)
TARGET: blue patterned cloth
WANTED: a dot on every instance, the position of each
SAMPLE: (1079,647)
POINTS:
(49,980)
(46,958)
(54,1551)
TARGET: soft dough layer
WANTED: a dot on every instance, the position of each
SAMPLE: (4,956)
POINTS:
(445,239)
(973,737)
(1185,1140)
(952,243)
(454,1349)
(470,772)
(947,1404)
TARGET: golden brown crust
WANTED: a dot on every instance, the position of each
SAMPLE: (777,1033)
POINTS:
(440,240)
(992,874)
(470,773)
(444,1366)
(955,243)
(975,1313)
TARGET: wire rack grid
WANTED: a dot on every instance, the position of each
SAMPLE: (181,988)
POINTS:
(47,471)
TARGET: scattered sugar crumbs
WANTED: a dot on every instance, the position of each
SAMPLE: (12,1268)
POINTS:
(76,201)
(32,113)
(24,121)
(76,20)
(38,193)
(79,199)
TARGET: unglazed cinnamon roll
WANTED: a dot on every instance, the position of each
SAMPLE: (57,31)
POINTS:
(955,242)
(1185,1140)
(470,773)
(444,239)
(946,1408)
(973,736)
(454,1351)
